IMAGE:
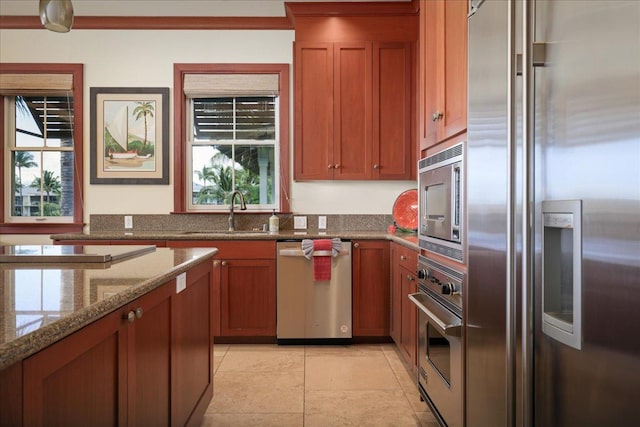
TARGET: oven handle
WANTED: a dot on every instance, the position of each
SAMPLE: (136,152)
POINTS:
(449,323)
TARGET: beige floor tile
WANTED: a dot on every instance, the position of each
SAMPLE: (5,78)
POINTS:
(408,382)
(377,408)
(252,420)
(251,392)
(333,372)
(427,419)
(219,351)
(263,358)
(343,350)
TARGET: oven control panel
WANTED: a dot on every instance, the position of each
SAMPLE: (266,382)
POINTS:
(442,282)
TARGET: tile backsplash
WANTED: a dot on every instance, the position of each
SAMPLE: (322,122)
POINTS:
(243,221)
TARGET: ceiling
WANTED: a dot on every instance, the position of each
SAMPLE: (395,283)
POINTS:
(166,7)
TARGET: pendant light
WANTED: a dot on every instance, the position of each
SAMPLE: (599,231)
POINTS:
(56,15)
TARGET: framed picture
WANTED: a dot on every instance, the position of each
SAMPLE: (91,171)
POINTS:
(129,135)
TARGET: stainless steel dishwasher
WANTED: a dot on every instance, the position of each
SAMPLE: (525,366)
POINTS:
(312,311)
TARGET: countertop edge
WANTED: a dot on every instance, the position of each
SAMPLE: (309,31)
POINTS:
(407,239)
(23,347)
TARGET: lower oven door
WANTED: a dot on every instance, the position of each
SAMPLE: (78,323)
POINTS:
(440,358)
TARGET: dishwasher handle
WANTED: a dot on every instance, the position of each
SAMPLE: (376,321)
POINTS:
(300,252)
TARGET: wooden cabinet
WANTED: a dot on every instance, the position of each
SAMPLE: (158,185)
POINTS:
(442,82)
(404,314)
(370,271)
(353,111)
(149,363)
(244,287)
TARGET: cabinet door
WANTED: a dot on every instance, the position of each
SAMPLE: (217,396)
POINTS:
(313,144)
(371,277)
(81,380)
(393,156)
(396,296)
(192,387)
(431,45)
(149,357)
(352,111)
(248,297)
(408,285)
(454,119)
(443,70)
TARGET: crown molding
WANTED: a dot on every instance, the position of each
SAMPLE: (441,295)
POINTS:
(16,22)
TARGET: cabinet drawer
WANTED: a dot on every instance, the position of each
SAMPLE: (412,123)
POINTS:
(406,257)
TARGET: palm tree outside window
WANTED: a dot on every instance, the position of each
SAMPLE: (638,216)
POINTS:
(233,146)
(42,151)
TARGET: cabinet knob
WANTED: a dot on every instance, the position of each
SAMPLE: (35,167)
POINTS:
(436,116)
(336,166)
(410,278)
(131,317)
(330,166)
(356,245)
(403,258)
(139,312)
(224,263)
(216,263)
(376,166)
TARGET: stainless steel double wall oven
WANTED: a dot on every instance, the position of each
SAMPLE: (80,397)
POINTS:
(440,360)
(439,299)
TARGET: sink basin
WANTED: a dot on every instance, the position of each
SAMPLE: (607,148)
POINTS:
(226,232)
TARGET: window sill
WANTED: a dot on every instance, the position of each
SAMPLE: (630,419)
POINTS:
(7,228)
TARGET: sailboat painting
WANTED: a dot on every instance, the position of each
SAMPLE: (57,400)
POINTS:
(130,131)
(129,135)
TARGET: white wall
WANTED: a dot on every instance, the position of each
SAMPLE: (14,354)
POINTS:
(135,58)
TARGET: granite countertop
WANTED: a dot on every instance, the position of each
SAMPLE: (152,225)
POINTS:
(42,303)
(407,239)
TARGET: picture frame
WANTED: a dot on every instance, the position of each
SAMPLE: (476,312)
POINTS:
(129,135)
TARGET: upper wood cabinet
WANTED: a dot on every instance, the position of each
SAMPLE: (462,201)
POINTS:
(353,111)
(442,81)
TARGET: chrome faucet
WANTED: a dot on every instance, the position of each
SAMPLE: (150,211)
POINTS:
(243,207)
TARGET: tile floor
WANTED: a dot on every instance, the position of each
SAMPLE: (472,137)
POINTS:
(324,386)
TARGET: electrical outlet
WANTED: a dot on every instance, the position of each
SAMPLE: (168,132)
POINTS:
(322,222)
(181,282)
(299,222)
(128,221)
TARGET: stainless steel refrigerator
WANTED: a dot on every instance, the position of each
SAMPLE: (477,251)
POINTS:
(552,318)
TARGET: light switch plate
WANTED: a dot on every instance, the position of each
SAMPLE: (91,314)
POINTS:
(322,222)
(128,221)
(299,222)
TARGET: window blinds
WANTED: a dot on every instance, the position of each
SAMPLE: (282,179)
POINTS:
(230,85)
(35,84)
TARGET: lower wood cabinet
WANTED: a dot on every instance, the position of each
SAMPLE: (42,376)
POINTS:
(404,316)
(244,287)
(149,363)
(370,271)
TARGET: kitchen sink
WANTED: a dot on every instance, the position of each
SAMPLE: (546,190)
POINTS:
(225,232)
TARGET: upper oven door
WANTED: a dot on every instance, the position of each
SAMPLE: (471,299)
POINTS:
(440,202)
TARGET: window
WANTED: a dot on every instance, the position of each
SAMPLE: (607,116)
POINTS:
(232,137)
(41,157)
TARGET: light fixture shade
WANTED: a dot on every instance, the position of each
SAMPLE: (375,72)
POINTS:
(56,15)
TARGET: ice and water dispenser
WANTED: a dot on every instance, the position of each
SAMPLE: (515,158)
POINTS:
(562,271)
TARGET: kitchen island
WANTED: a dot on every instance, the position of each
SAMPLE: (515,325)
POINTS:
(126,342)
